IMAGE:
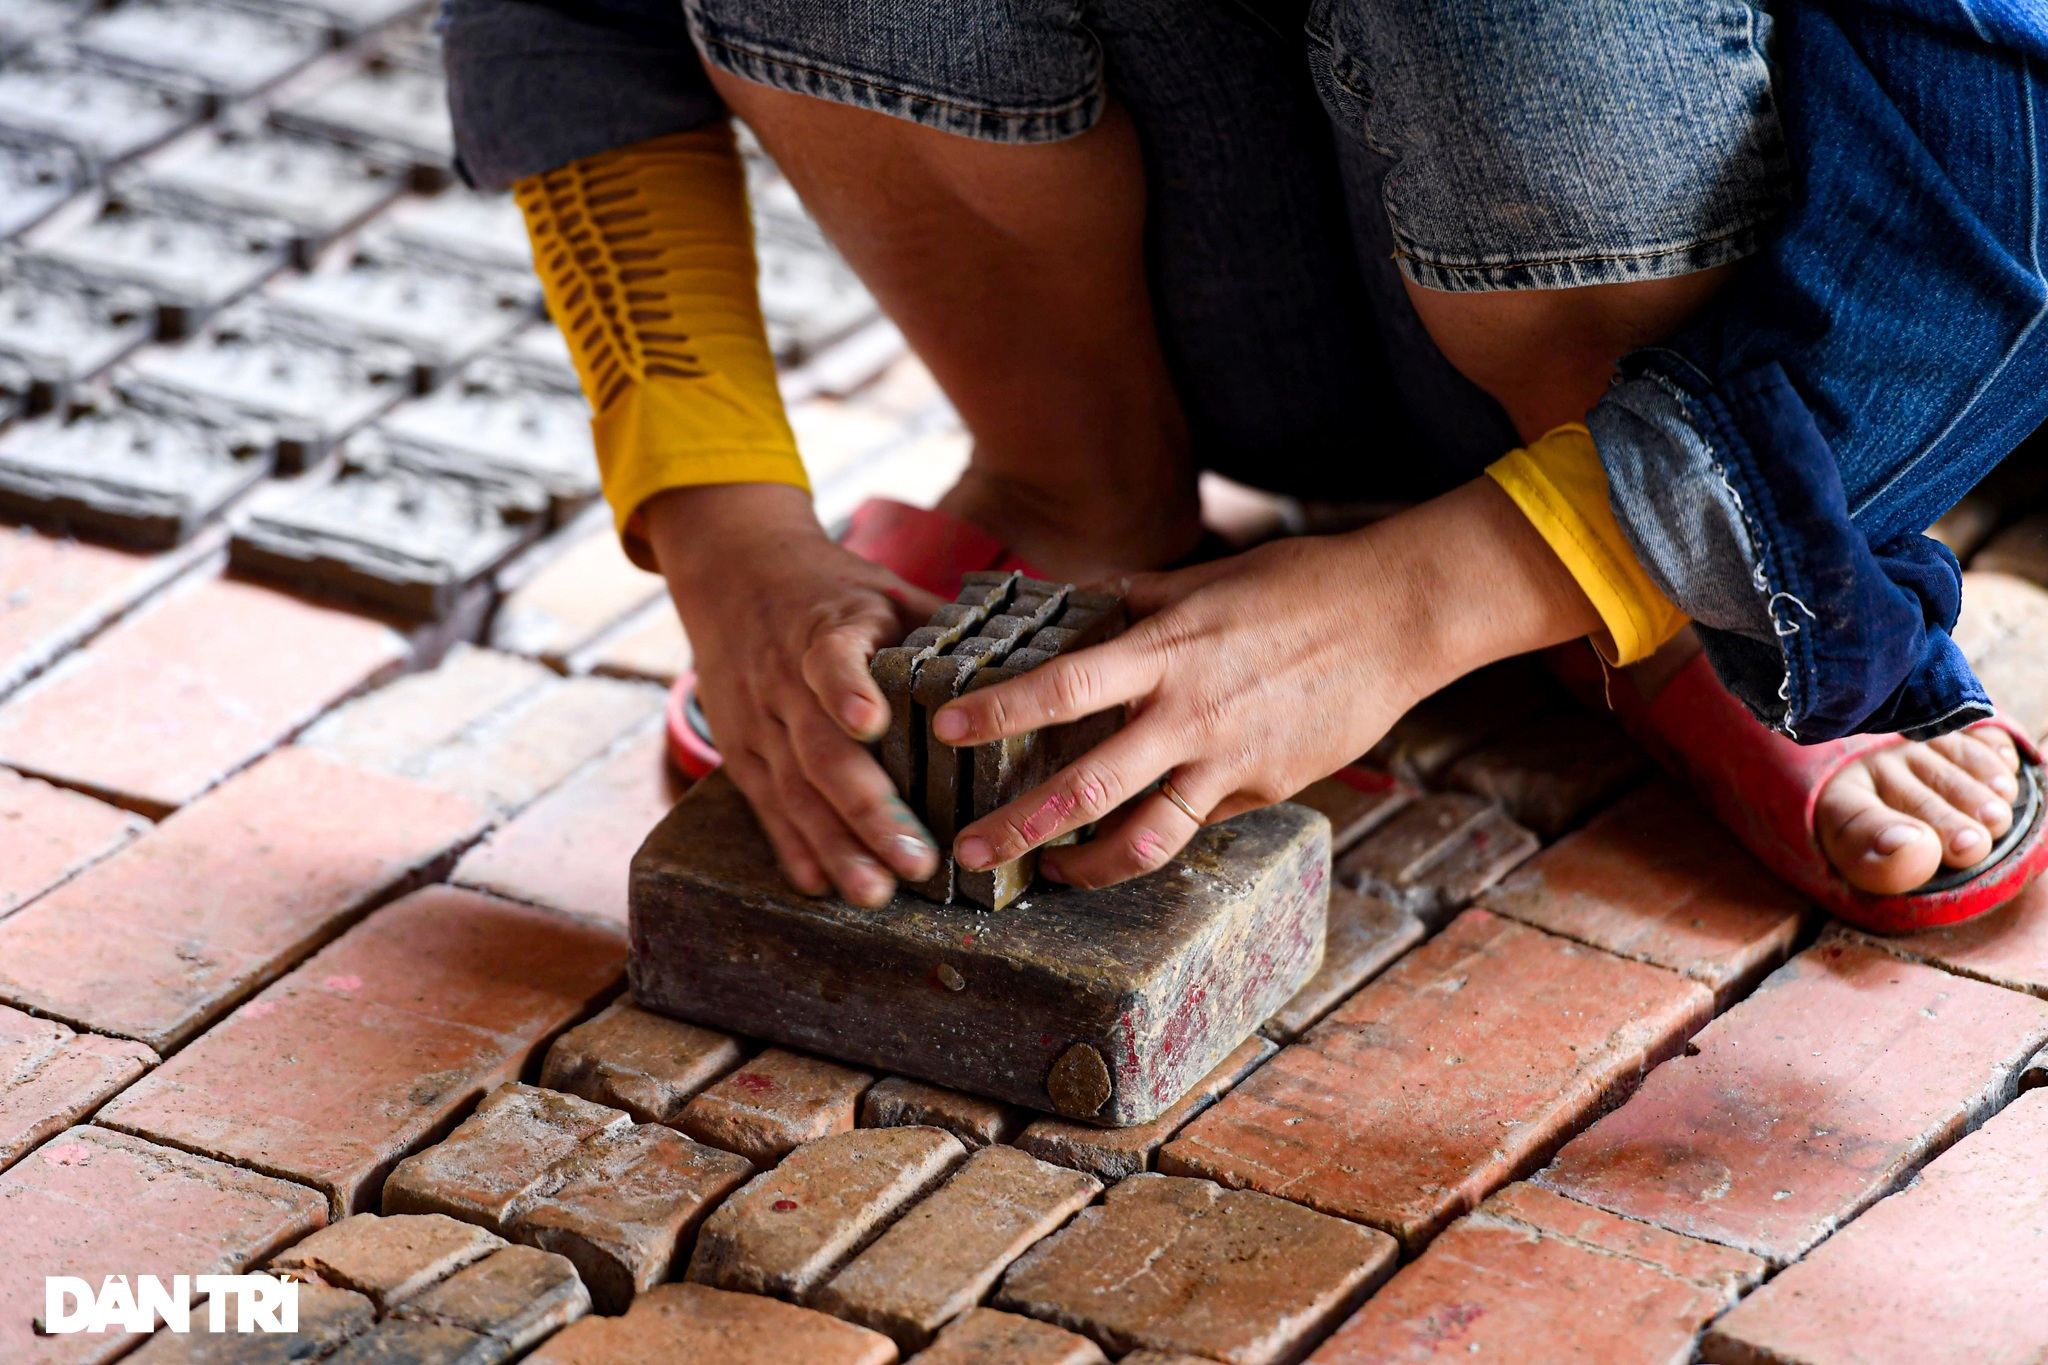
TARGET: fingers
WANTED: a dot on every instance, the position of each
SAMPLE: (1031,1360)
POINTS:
(1080,794)
(860,795)
(1067,688)
(1138,841)
(750,774)
(1874,847)
(1960,789)
(1146,593)
(1963,840)
(859,877)
(835,668)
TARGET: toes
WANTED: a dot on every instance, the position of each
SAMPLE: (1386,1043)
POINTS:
(1963,839)
(1872,845)
(1988,754)
(1963,792)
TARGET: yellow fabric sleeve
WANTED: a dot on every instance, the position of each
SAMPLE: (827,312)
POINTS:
(646,253)
(1561,487)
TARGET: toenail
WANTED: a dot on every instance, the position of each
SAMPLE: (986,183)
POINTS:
(2006,785)
(1992,810)
(1964,840)
(1892,838)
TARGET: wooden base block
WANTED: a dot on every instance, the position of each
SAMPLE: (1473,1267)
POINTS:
(1104,1006)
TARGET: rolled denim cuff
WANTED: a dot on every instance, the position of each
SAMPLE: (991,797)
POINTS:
(533,86)
(1735,509)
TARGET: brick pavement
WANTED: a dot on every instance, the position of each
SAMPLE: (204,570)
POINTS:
(1527,1097)
(302,921)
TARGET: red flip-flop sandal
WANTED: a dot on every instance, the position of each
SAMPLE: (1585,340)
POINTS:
(925,548)
(1765,787)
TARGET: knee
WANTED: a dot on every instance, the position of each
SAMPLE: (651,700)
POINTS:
(1537,145)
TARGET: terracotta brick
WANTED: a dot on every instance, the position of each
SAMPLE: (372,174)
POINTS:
(1554,772)
(2000,632)
(2007,947)
(60,592)
(1230,1274)
(1530,1275)
(1457,1071)
(649,644)
(1819,1094)
(572,849)
(517,1294)
(575,595)
(51,1078)
(790,1229)
(373,1048)
(1399,852)
(1435,856)
(1487,851)
(1113,1153)
(644,1063)
(198,914)
(899,1102)
(982,1336)
(327,1318)
(388,1259)
(692,1322)
(496,729)
(420,1343)
(48,834)
(1365,934)
(393,727)
(1949,1270)
(625,1206)
(188,689)
(92,1203)
(1162,1358)
(519,751)
(483,1172)
(941,1258)
(1473,711)
(776,1103)
(1356,801)
(1656,879)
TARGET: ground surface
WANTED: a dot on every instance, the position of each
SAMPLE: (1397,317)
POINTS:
(312,944)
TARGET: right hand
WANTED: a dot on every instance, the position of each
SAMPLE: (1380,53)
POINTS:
(783,622)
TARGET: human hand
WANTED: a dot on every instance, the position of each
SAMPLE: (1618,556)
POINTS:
(782,623)
(1248,678)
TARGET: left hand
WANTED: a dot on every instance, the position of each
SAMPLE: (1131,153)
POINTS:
(1251,677)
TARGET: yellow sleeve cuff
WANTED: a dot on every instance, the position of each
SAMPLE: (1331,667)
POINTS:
(1561,487)
(646,253)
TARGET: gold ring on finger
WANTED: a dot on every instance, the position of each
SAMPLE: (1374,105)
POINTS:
(1166,789)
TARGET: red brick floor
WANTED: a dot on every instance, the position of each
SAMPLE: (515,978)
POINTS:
(312,948)
(1633,1102)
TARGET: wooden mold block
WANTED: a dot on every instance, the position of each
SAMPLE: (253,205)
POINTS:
(1104,1006)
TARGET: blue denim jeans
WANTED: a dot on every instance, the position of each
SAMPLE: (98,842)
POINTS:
(1769,466)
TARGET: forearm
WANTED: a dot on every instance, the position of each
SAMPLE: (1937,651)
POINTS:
(1471,581)
(646,253)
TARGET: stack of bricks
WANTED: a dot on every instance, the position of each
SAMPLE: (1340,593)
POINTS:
(1000,627)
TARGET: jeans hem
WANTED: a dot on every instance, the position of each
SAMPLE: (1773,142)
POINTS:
(1056,123)
(1661,263)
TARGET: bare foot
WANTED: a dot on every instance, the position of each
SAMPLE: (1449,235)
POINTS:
(1895,817)
(1084,534)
